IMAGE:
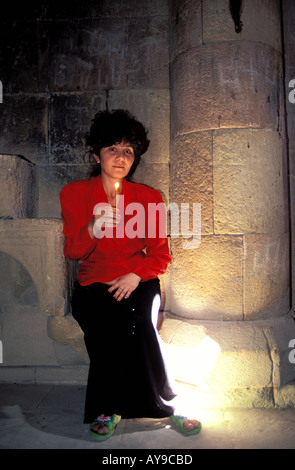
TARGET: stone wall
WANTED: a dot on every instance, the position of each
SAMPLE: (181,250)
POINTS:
(213,99)
(59,65)
(62,63)
(19,188)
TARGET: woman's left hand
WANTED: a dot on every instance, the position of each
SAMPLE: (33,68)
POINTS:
(124,285)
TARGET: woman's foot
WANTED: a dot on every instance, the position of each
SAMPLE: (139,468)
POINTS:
(186,426)
(104,426)
(190,424)
(99,428)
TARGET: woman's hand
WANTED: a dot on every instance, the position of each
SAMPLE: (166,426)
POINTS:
(105,217)
(123,286)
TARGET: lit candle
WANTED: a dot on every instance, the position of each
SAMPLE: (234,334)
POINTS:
(116,190)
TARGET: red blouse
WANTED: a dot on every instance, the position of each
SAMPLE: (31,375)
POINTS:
(106,258)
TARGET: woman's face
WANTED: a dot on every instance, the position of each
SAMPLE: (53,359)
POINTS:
(116,161)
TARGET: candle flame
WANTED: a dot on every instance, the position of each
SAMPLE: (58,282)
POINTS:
(116,186)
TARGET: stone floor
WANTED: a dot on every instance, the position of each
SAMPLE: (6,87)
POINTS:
(50,417)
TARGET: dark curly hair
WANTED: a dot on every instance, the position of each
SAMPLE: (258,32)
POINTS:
(112,127)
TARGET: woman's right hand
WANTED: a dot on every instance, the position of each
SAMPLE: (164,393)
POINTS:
(104,217)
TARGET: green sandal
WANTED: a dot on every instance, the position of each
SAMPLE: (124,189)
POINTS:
(178,420)
(109,421)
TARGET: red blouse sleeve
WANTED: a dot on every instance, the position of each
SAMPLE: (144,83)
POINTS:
(76,217)
(157,255)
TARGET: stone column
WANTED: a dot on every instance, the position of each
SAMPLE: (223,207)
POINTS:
(228,154)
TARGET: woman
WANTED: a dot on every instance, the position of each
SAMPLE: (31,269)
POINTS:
(117,293)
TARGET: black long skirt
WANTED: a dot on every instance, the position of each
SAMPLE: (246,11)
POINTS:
(127,373)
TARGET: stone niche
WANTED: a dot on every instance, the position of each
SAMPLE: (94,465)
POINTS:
(41,341)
